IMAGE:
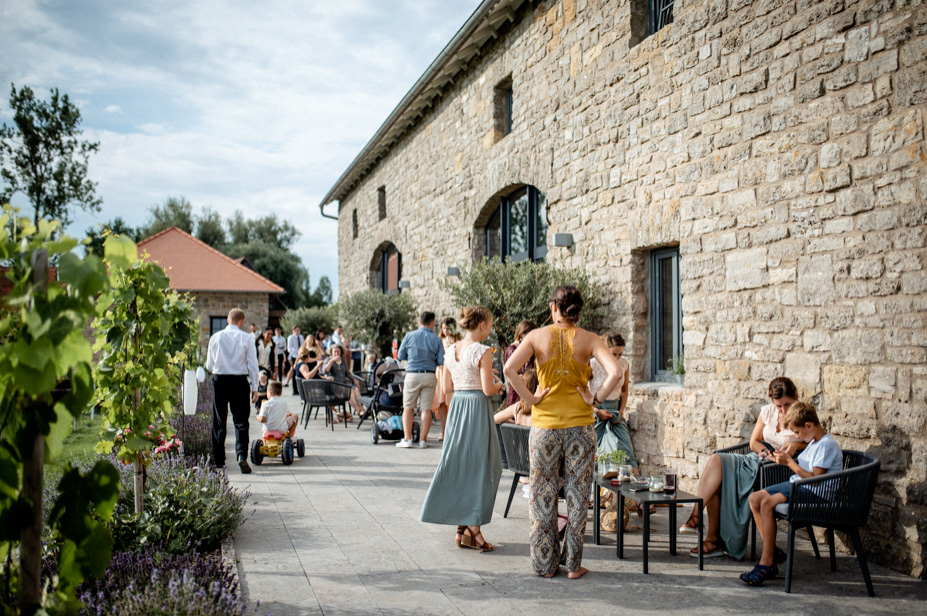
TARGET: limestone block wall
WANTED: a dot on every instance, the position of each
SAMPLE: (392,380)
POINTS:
(779,143)
(206,305)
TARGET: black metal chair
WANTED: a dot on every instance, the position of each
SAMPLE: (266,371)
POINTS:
(322,393)
(845,507)
(515,444)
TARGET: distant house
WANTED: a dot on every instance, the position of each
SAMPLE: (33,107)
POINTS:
(217,283)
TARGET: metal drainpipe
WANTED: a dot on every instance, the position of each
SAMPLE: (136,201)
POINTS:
(322,210)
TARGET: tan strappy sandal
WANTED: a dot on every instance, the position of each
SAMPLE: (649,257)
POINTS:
(475,541)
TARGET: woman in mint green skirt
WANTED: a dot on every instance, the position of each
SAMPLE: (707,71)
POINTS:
(611,426)
(463,490)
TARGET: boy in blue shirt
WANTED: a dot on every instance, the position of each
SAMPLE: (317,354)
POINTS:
(822,455)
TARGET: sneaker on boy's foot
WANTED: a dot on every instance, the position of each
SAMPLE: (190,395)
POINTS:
(404,444)
(422,445)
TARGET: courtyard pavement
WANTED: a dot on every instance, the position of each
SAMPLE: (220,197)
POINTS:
(337,532)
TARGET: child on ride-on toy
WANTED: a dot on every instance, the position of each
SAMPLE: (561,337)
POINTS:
(273,412)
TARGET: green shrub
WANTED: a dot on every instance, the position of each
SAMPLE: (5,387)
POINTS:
(514,292)
(186,507)
(310,320)
(377,318)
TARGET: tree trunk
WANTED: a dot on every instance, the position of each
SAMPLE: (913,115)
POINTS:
(139,466)
(30,551)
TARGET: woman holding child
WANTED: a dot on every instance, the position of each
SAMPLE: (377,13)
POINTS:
(561,432)
(463,490)
(727,480)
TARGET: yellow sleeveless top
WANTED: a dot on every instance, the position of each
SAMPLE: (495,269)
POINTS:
(562,407)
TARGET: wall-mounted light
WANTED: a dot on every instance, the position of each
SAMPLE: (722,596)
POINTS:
(453,271)
(564,240)
(405,284)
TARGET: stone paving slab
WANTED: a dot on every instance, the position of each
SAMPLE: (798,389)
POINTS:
(337,532)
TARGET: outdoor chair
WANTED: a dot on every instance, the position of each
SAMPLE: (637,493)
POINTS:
(321,393)
(846,511)
(515,444)
(302,398)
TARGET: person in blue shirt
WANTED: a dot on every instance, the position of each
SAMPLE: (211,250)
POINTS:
(423,352)
(822,455)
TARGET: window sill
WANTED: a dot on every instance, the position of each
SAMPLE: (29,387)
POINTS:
(655,387)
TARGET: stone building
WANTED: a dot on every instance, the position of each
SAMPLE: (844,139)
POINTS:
(216,282)
(746,178)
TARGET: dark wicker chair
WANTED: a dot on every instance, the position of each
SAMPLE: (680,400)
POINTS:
(515,444)
(847,511)
(321,393)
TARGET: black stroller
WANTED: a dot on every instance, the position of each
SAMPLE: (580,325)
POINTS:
(384,405)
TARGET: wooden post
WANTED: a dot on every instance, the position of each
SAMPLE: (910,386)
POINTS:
(30,551)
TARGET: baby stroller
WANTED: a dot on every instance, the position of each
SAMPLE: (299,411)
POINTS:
(384,407)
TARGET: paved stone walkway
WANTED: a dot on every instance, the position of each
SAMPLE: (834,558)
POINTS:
(337,532)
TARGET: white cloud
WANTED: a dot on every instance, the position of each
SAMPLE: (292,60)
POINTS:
(234,105)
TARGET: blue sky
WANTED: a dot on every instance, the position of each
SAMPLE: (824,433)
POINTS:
(233,105)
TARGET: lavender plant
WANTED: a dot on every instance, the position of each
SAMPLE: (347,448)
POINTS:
(154,582)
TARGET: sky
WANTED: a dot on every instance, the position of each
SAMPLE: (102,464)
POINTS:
(257,107)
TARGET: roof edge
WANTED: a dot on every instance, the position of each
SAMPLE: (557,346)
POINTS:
(434,70)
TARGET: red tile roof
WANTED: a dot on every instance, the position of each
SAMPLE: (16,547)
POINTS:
(193,265)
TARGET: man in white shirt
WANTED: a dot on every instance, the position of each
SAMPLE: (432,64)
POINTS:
(292,348)
(280,346)
(232,360)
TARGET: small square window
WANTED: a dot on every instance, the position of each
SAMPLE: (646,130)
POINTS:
(649,17)
(217,324)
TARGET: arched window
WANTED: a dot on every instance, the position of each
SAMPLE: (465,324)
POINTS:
(517,229)
(388,269)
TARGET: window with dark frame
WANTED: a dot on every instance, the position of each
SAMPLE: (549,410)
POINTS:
(354,226)
(217,324)
(666,312)
(502,107)
(517,229)
(661,14)
(389,270)
(381,201)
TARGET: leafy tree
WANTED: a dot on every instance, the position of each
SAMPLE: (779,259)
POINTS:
(174,213)
(322,296)
(278,265)
(311,320)
(42,156)
(143,332)
(268,230)
(209,228)
(97,235)
(45,383)
(514,292)
(377,318)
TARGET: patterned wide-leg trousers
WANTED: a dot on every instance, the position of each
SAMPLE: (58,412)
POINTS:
(572,451)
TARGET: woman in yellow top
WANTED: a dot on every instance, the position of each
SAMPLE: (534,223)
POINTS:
(562,436)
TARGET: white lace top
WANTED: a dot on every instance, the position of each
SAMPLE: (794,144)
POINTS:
(599,375)
(465,367)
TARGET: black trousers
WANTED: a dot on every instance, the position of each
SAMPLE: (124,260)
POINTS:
(230,391)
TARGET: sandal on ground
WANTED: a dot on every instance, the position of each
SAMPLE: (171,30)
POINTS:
(441,437)
(760,574)
(710,549)
(475,540)
(459,537)
(690,526)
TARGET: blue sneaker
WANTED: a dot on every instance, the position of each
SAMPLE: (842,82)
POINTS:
(760,574)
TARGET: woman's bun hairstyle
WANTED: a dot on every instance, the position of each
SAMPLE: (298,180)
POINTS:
(613,339)
(470,317)
(782,386)
(569,301)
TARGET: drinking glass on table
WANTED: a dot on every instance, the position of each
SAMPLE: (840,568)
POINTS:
(669,482)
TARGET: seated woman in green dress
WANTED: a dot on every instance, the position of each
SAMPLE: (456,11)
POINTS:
(611,427)
(727,480)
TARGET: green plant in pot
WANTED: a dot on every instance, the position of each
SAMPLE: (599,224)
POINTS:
(609,461)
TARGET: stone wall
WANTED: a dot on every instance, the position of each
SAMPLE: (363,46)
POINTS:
(780,144)
(206,305)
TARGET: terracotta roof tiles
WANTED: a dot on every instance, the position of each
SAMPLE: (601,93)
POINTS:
(193,265)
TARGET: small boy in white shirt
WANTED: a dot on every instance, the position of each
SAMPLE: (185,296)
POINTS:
(822,455)
(273,413)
